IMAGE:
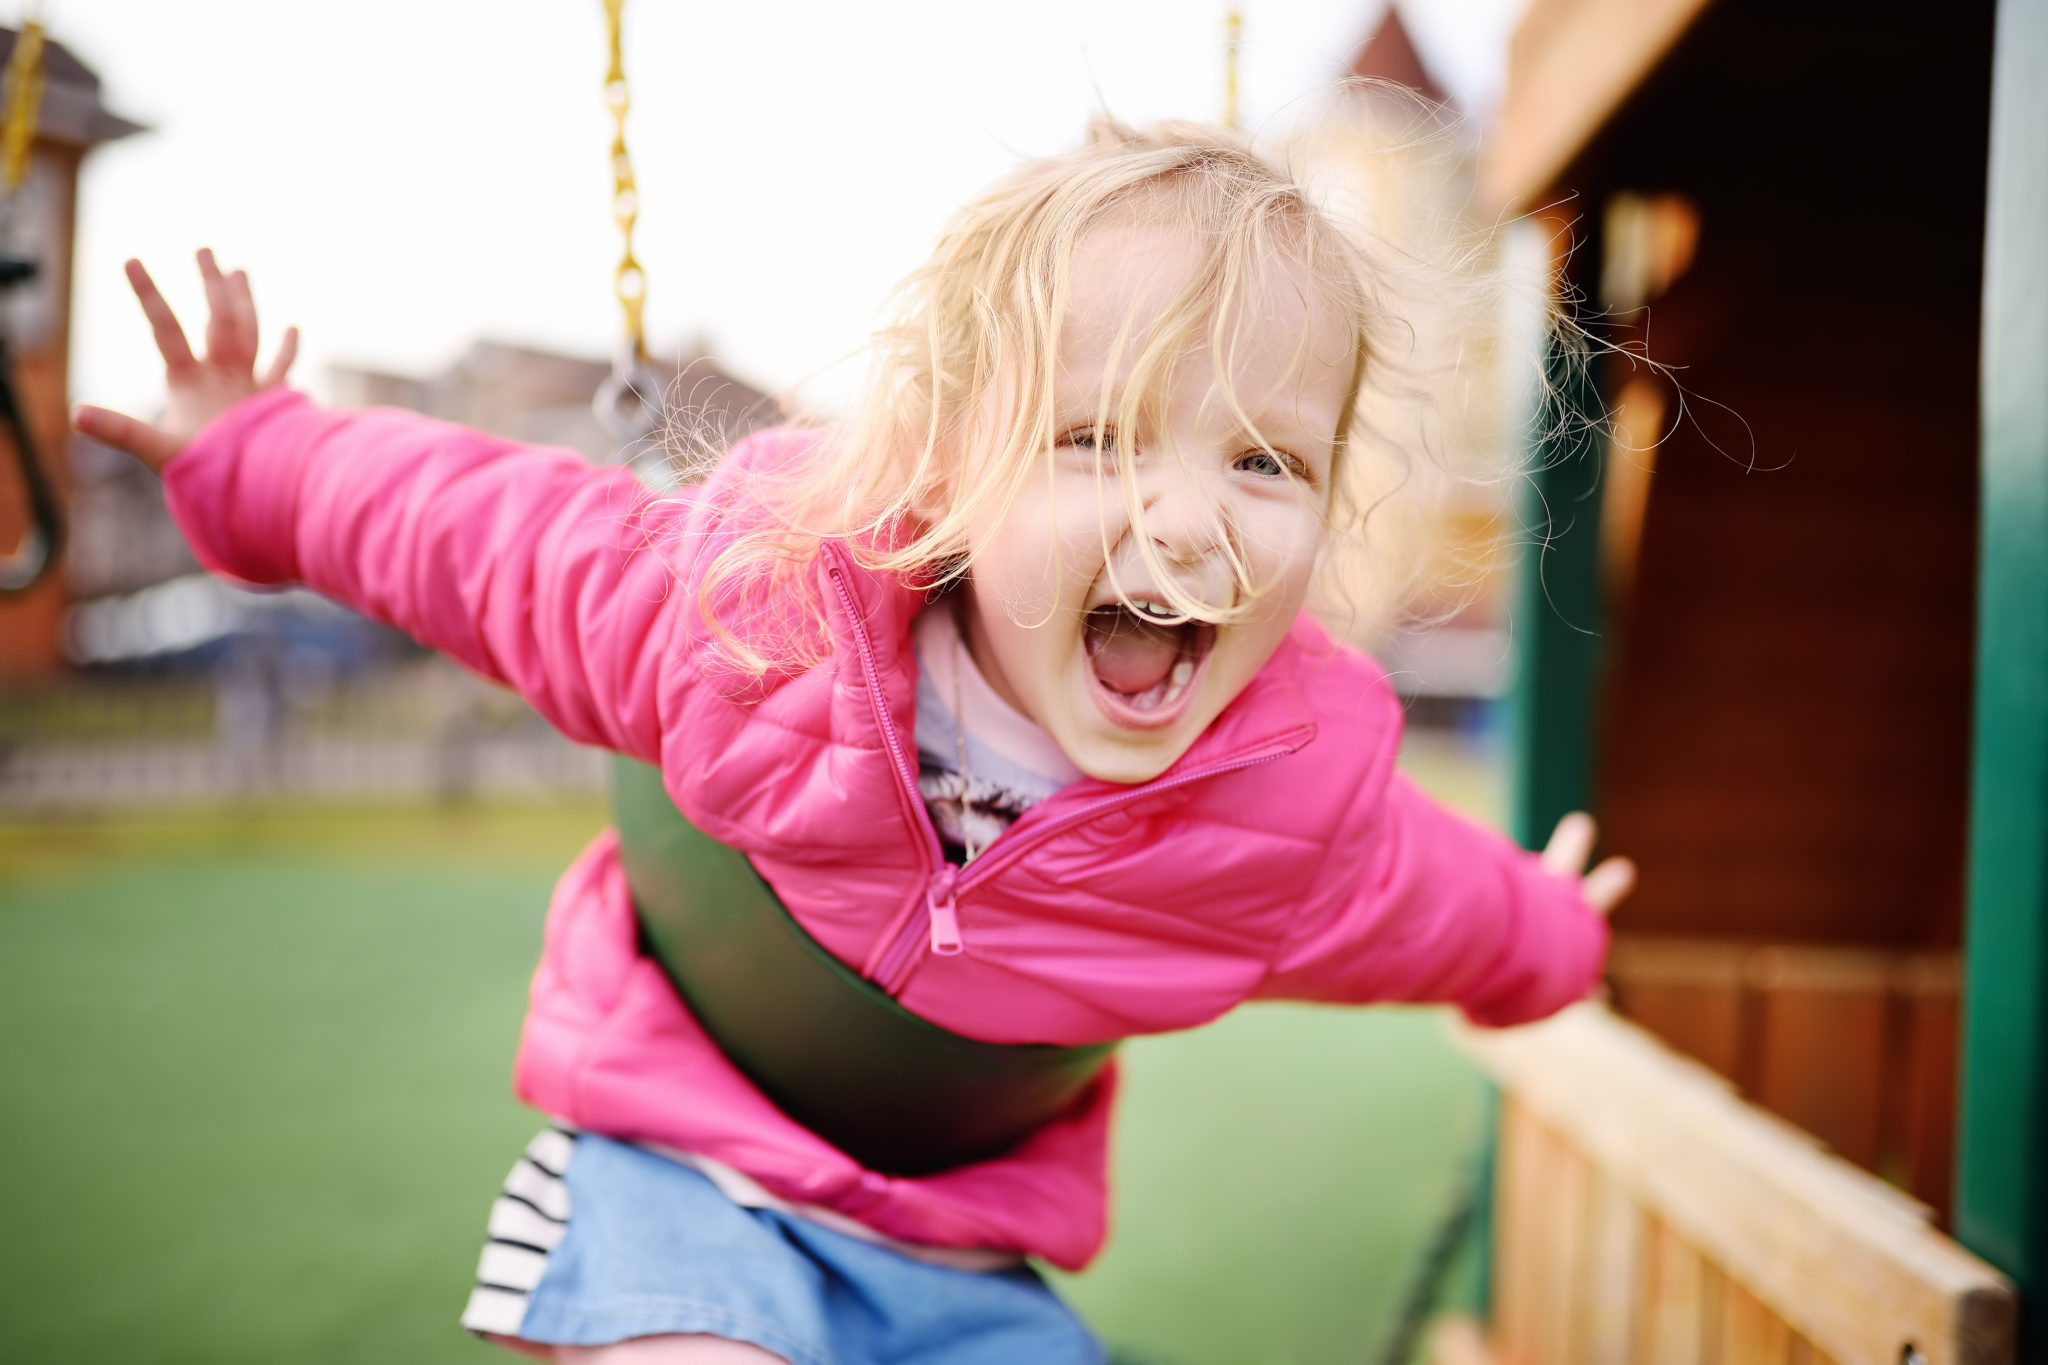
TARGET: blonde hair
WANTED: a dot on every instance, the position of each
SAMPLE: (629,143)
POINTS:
(974,332)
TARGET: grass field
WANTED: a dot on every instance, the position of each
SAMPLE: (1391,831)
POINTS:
(256,1074)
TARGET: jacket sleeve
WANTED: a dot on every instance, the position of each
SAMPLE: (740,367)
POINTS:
(1426,906)
(520,562)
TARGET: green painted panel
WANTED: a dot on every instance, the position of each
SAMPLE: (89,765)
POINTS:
(2002,1175)
(1557,620)
(1557,616)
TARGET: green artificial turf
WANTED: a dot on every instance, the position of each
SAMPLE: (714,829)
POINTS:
(257,1099)
(257,1102)
(1277,1176)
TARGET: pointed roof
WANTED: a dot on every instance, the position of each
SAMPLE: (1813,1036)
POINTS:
(1390,55)
(71,109)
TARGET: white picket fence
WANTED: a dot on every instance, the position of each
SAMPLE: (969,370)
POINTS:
(420,729)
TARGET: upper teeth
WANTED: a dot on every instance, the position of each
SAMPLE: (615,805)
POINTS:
(1154,609)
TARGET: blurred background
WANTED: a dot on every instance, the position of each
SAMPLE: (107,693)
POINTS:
(272,877)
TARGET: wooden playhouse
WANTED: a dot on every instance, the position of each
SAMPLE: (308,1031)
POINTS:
(1788,635)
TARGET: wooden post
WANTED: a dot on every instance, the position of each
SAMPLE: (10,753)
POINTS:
(1557,604)
(1557,647)
(2002,1166)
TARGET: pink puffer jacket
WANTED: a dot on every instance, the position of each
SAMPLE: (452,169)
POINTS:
(1281,858)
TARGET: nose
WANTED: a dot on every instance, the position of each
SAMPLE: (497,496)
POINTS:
(1184,518)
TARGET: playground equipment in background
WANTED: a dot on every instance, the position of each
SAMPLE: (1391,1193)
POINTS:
(54,119)
(1774,690)
(43,537)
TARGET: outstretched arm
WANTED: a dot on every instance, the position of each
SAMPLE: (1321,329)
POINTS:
(522,563)
(1435,908)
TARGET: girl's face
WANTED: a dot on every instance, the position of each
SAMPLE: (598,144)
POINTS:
(1060,586)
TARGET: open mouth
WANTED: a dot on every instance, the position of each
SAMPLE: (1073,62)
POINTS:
(1144,661)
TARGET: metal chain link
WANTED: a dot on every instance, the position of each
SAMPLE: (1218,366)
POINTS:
(23,95)
(1233,34)
(629,401)
(628,280)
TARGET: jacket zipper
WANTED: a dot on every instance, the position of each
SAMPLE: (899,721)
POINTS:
(939,875)
(945,883)
(946,886)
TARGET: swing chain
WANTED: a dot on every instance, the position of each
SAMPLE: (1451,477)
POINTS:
(1233,36)
(23,95)
(628,402)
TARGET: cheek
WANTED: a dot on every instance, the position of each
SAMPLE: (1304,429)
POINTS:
(1043,554)
(1282,542)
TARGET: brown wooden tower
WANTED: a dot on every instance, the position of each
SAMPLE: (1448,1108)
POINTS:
(37,224)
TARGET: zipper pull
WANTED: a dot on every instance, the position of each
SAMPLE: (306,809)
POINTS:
(938,902)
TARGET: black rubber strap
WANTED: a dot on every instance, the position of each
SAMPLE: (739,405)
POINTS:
(894,1091)
(42,539)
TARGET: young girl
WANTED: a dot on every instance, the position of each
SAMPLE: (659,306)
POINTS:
(1006,690)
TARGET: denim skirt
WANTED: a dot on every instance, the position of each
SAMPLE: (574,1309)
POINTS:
(593,1241)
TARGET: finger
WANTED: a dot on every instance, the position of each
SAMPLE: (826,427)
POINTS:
(170,337)
(145,442)
(220,312)
(1571,843)
(244,302)
(1607,885)
(281,363)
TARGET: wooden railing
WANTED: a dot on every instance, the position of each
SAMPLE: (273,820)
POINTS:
(1643,1213)
(1856,1045)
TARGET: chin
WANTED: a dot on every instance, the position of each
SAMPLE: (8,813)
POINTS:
(1111,752)
(1109,762)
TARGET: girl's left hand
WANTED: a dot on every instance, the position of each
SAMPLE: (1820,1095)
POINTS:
(1565,856)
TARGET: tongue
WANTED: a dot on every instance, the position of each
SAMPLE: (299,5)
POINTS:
(1130,655)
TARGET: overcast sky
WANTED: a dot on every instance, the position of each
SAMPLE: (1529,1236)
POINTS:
(404,176)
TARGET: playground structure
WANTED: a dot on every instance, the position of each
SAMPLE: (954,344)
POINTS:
(1759,672)
(53,118)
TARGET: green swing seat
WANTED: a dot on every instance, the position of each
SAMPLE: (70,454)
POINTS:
(897,1093)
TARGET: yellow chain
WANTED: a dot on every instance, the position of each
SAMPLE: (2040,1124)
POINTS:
(22,93)
(1233,29)
(629,280)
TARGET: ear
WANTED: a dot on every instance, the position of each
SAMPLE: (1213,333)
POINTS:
(930,503)
(937,488)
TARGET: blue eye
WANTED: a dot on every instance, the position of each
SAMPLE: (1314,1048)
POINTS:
(1261,462)
(1101,440)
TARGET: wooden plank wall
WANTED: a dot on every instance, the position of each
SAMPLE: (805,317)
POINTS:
(1855,1045)
(1785,719)
(1645,1213)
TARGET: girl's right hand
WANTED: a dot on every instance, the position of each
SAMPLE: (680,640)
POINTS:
(197,389)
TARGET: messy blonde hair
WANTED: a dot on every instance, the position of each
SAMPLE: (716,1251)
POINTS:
(968,360)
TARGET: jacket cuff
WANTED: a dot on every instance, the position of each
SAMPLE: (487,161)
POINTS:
(1560,960)
(237,501)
